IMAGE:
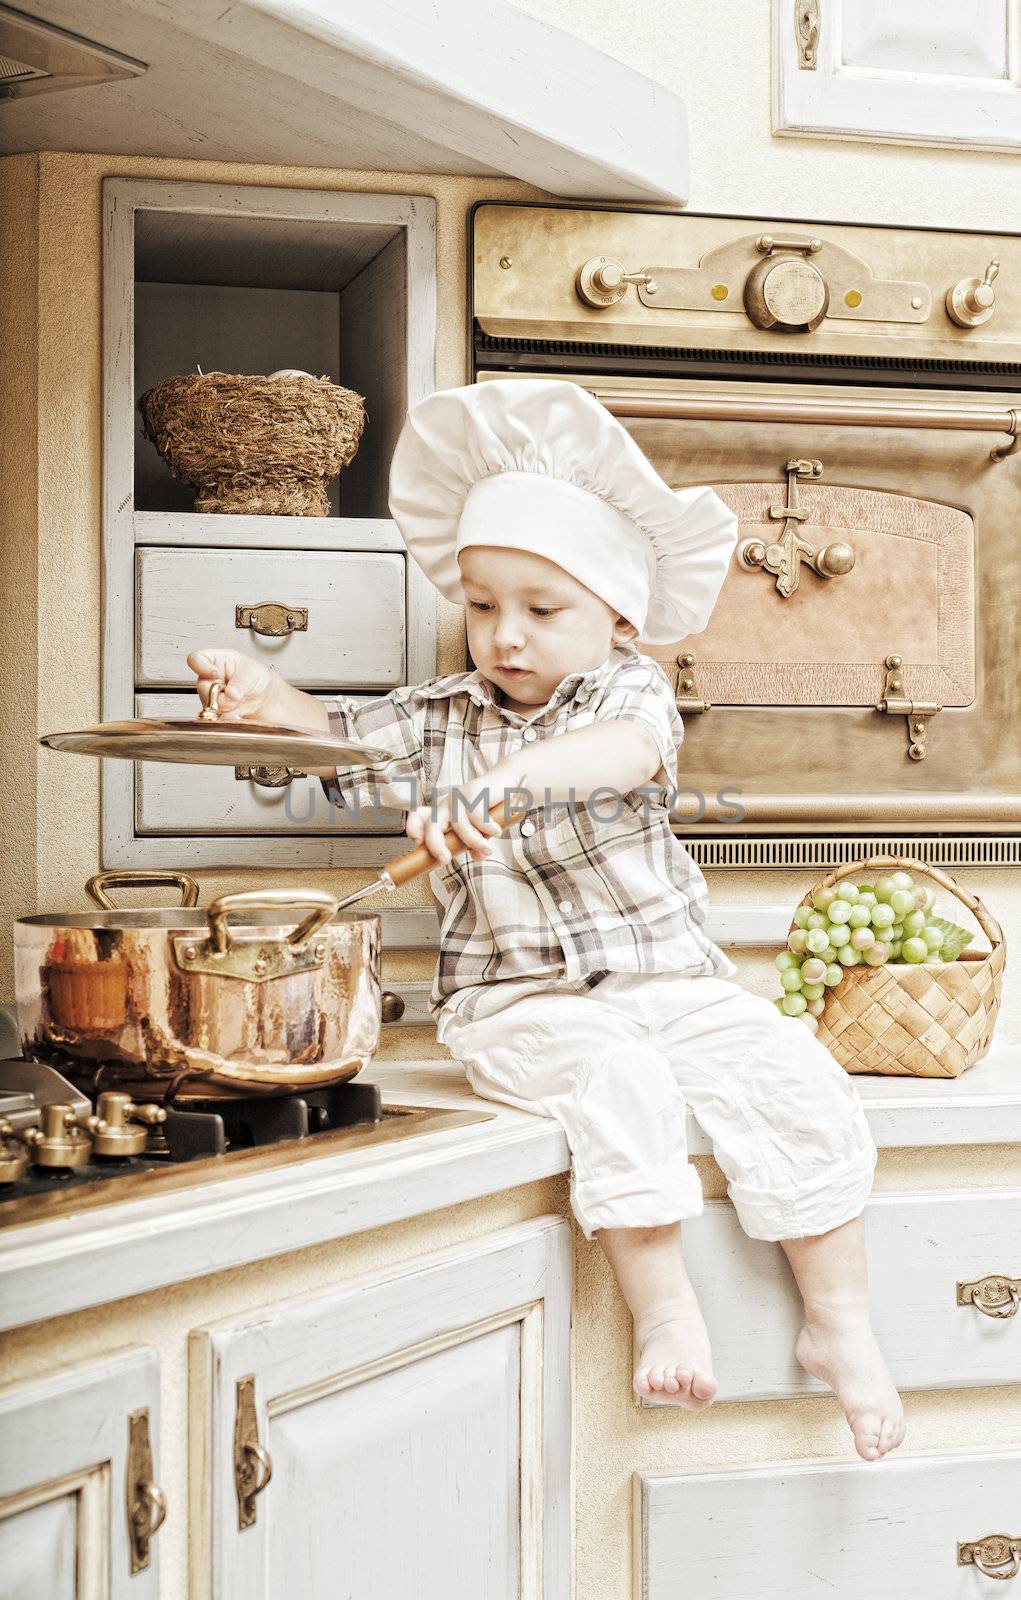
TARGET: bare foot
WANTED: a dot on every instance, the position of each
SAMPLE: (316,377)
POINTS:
(675,1363)
(838,1346)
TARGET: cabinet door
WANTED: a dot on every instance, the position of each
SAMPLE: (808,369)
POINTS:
(411,1432)
(72,1462)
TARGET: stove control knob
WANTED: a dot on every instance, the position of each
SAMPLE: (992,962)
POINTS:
(602,282)
(119,1127)
(786,293)
(972,301)
(59,1142)
(13,1155)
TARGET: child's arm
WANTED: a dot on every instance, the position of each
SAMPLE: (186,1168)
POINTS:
(608,755)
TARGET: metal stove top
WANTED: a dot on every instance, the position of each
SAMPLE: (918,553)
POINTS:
(63,1151)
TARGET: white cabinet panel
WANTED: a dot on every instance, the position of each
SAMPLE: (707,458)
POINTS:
(920,1247)
(416,1425)
(66,1477)
(402,1441)
(39,1548)
(187,599)
(179,800)
(919,72)
(809,1530)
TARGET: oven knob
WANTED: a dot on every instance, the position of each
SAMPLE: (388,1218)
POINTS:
(13,1155)
(602,282)
(786,293)
(972,301)
(58,1143)
(119,1127)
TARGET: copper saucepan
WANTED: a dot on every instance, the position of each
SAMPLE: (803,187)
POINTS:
(198,1005)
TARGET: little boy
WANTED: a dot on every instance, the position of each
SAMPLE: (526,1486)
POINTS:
(574,976)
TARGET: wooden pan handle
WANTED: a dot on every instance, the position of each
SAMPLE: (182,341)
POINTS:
(422,859)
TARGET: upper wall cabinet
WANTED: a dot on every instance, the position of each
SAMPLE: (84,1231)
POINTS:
(251,280)
(467,87)
(919,72)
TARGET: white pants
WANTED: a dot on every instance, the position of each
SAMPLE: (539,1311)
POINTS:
(617,1065)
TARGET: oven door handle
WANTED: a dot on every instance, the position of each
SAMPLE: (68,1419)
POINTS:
(838,413)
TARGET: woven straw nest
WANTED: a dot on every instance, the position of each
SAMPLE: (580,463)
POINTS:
(915,1021)
(253,445)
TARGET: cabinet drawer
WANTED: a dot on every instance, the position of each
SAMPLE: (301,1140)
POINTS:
(805,1530)
(352,631)
(175,799)
(920,1247)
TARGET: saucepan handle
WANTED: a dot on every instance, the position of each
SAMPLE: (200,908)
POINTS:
(422,860)
(324,907)
(136,878)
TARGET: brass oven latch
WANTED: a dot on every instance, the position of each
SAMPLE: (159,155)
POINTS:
(917,712)
(146,1504)
(252,1465)
(272,619)
(784,558)
(687,698)
(997,1555)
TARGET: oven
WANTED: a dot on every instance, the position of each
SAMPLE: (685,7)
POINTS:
(854,394)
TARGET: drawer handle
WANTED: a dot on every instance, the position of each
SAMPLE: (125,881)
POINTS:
(994,1296)
(997,1555)
(269,777)
(272,619)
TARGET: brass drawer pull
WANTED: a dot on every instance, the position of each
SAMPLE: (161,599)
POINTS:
(997,1555)
(272,619)
(252,1465)
(994,1296)
(269,777)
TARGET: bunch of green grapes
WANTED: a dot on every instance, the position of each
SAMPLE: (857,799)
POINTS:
(871,923)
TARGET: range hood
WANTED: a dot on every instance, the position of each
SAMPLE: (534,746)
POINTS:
(472,87)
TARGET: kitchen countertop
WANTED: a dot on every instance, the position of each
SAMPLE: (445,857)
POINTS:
(62,1264)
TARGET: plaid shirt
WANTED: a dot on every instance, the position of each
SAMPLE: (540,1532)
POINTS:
(568,893)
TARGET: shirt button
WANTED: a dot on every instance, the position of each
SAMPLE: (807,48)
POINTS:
(529,735)
(528,828)
(565,906)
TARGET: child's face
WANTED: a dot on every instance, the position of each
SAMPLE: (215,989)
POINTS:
(530,623)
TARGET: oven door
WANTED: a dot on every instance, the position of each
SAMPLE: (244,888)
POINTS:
(859,678)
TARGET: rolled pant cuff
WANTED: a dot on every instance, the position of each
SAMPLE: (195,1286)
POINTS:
(650,1198)
(809,1208)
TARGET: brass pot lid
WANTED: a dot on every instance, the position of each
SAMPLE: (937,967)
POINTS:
(207,740)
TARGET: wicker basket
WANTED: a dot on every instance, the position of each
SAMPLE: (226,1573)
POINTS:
(252,445)
(918,1021)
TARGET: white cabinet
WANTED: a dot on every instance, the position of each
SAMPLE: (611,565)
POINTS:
(897,1530)
(408,1434)
(921,1247)
(247,279)
(78,1454)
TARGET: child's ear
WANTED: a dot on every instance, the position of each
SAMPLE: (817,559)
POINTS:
(623,631)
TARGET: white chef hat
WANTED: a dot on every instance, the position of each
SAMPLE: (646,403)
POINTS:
(539,464)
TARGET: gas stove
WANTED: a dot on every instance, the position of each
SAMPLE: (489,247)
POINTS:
(62,1150)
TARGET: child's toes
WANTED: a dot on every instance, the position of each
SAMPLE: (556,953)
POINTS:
(703,1386)
(867,1428)
(671,1383)
(641,1381)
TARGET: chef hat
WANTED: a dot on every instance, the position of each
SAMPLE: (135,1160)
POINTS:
(539,464)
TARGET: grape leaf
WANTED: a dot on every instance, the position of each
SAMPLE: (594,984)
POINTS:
(955,938)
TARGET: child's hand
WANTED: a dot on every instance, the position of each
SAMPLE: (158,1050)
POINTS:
(250,687)
(474,827)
